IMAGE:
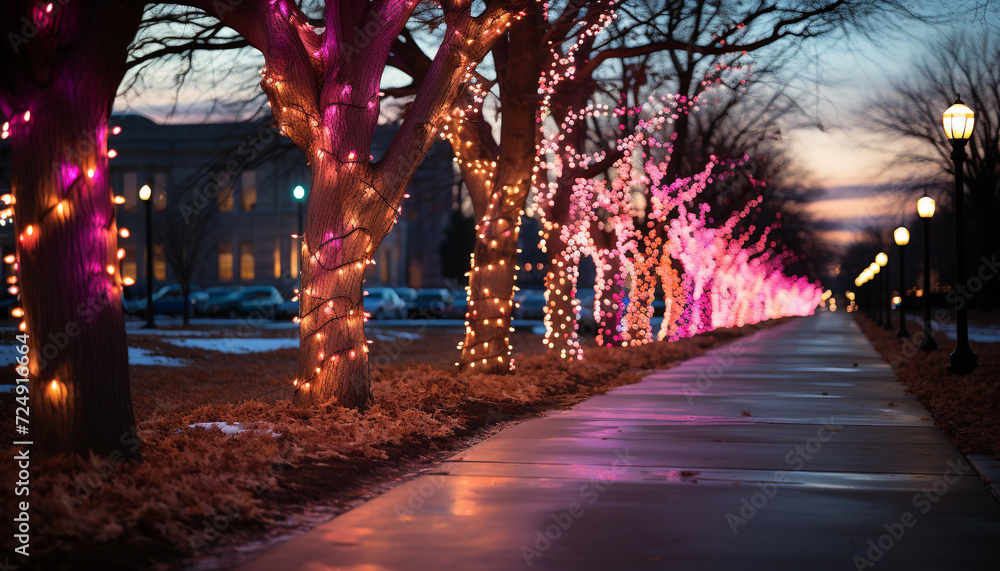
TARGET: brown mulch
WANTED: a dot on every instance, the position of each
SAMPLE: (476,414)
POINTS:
(965,407)
(200,492)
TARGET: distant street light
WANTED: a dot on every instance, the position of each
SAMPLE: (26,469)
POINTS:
(902,237)
(925,208)
(959,121)
(884,300)
(145,193)
(299,193)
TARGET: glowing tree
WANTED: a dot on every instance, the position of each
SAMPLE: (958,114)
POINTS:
(323,87)
(58,83)
(686,42)
(498,172)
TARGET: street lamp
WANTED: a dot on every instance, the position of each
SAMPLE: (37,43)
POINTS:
(925,208)
(298,193)
(959,121)
(145,193)
(880,261)
(902,237)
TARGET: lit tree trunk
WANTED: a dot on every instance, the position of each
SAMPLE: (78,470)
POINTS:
(323,87)
(486,348)
(560,298)
(340,236)
(607,298)
(57,87)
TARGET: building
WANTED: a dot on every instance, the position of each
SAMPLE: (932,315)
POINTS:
(224,211)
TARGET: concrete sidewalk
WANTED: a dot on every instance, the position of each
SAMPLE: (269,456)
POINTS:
(794,448)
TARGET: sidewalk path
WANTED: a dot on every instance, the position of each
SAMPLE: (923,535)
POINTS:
(831,466)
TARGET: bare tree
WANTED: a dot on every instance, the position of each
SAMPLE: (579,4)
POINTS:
(963,65)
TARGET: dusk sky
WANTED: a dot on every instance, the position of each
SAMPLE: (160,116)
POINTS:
(836,79)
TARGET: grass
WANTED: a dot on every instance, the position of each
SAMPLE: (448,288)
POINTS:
(198,492)
(965,407)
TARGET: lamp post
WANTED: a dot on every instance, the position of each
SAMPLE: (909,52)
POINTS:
(902,237)
(959,121)
(298,193)
(145,194)
(925,208)
(886,301)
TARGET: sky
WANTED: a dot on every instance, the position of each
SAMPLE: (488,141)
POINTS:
(836,78)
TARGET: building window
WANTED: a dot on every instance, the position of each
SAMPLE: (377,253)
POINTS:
(384,259)
(277,258)
(246,261)
(130,263)
(248,190)
(130,190)
(160,190)
(225,200)
(159,263)
(294,259)
(225,261)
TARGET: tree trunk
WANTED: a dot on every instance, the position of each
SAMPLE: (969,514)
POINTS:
(486,348)
(186,293)
(607,297)
(341,235)
(560,298)
(58,89)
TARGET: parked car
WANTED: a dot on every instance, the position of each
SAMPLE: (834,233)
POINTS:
(460,305)
(384,303)
(259,300)
(407,294)
(170,301)
(532,304)
(431,304)
(287,310)
(586,297)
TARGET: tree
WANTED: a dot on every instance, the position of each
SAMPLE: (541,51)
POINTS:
(323,88)
(694,44)
(963,65)
(62,65)
(190,220)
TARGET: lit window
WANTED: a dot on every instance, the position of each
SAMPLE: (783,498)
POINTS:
(248,190)
(383,263)
(130,190)
(159,263)
(246,261)
(294,259)
(225,261)
(277,258)
(129,262)
(225,200)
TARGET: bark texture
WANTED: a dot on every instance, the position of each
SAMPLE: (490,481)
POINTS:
(59,81)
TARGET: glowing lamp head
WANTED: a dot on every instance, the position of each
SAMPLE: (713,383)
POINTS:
(145,192)
(298,192)
(959,121)
(881,259)
(925,207)
(901,235)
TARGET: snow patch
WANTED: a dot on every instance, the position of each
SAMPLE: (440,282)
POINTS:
(236,346)
(137,356)
(233,428)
